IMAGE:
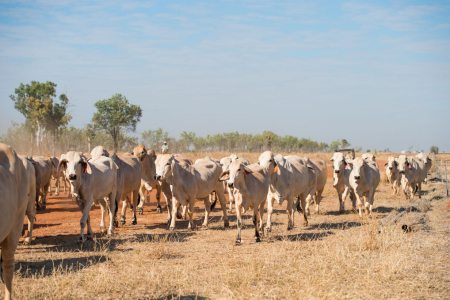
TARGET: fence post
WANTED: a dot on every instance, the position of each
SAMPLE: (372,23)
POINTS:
(446,176)
(442,177)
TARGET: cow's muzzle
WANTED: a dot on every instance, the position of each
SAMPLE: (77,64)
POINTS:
(72,176)
(357,177)
(230,184)
(402,172)
(158,177)
(390,168)
(336,171)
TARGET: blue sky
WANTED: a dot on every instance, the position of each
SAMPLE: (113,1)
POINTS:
(375,73)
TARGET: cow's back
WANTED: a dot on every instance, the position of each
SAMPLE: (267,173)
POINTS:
(374,172)
(103,177)
(207,175)
(130,170)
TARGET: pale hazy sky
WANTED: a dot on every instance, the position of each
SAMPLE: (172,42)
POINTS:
(375,73)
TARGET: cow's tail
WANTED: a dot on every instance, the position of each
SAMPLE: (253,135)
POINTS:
(298,206)
(215,201)
(139,199)
(117,207)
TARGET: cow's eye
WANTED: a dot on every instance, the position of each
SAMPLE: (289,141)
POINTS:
(239,170)
(168,164)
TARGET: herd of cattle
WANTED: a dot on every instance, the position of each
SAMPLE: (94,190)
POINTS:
(106,178)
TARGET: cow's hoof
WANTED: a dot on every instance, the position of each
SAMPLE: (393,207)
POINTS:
(171,228)
(89,238)
(133,222)
(51,194)
(102,229)
(43,206)
(56,194)
(179,217)
(258,240)
(80,241)
(226,224)
(122,222)
(116,224)
(158,209)
(267,229)
(305,223)
(140,211)
(238,242)
(27,241)
(289,228)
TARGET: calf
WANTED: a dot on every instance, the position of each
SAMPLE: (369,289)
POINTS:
(288,180)
(251,185)
(190,182)
(91,181)
(364,180)
(57,176)
(341,175)
(319,168)
(393,174)
(15,186)
(225,163)
(413,174)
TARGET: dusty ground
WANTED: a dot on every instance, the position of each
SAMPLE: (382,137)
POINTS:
(335,256)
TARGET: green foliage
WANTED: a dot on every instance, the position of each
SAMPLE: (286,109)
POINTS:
(344,143)
(43,115)
(154,139)
(375,152)
(434,149)
(116,116)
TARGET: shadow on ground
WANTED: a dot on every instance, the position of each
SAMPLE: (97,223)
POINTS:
(48,267)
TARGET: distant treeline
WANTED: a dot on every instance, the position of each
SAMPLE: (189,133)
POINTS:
(82,139)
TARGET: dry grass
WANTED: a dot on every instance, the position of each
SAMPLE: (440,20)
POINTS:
(338,256)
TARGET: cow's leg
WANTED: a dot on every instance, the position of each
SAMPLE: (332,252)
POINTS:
(303,205)
(255,223)
(290,212)
(420,189)
(124,210)
(31,214)
(136,198)
(143,193)
(341,202)
(104,209)
(318,199)
(270,201)
(367,202)
(49,191)
(113,205)
(190,209)
(230,197)
(175,205)
(57,186)
(261,215)
(85,208)
(89,229)
(158,198)
(358,201)
(239,224)
(223,205)
(44,196)
(9,245)
(207,210)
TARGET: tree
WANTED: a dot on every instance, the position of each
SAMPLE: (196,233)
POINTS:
(154,139)
(344,143)
(434,149)
(35,102)
(116,116)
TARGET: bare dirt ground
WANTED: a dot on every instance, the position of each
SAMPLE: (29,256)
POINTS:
(337,256)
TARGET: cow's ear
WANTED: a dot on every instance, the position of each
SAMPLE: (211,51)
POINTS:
(249,171)
(396,163)
(62,166)
(332,159)
(86,168)
(386,164)
(225,175)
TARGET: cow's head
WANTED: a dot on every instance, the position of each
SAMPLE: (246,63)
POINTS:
(235,175)
(368,157)
(140,152)
(357,164)
(267,161)
(339,164)
(403,164)
(225,163)
(391,163)
(74,164)
(164,166)
(423,157)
